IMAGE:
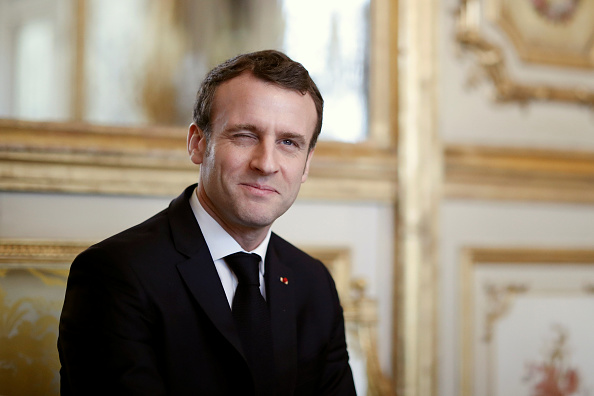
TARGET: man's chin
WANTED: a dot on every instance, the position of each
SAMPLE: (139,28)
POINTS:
(256,221)
(258,214)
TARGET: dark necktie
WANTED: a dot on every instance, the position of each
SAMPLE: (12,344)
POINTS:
(252,318)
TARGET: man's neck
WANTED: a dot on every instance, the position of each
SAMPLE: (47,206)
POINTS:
(247,237)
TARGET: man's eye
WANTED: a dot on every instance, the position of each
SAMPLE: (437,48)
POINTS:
(242,136)
(288,142)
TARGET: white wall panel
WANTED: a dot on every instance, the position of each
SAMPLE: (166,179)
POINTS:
(495,224)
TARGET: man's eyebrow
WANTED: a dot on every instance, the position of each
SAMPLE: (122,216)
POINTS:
(293,136)
(243,127)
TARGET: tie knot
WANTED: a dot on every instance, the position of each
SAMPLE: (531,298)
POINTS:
(246,267)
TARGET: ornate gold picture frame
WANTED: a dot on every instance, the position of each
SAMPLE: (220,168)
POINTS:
(526,314)
(532,34)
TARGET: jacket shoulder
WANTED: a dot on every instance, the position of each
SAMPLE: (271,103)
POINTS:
(156,236)
(143,236)
(289,252)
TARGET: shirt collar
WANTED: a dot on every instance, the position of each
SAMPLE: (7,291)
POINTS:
(219,242)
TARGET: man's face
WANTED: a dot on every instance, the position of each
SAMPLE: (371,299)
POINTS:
(257,156)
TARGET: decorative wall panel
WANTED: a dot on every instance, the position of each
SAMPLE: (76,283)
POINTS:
(537,37)
(527,322)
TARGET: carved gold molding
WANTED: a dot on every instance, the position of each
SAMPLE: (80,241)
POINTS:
(528,256)
(500,300)
(548,34)
(519,174)
(502,297)
(491,62)
(107,160)
(15,251)
(82,158)
(360,313)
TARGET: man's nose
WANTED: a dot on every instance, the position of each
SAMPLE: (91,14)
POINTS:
(264,158)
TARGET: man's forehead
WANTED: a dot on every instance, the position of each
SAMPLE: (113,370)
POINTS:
(247,77)
(244,85)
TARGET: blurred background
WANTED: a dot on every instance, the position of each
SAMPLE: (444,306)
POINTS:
(451,192)
(140,62)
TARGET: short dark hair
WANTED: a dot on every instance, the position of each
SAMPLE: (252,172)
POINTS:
(269,65)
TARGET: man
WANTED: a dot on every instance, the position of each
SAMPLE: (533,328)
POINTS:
(166,308)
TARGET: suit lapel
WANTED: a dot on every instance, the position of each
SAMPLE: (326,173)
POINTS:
(283,319)
(202,279)
(198,271)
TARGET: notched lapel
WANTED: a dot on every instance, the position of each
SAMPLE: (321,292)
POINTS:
(202,279)
(282,318)
(198,271)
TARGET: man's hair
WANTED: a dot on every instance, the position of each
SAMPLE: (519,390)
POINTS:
(271,66)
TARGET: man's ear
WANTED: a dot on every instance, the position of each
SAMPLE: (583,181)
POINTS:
(196,144)
(306,169)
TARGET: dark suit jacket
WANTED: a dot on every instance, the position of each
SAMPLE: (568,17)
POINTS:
(145,314)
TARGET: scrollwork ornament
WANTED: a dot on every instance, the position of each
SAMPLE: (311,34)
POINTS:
(499,301)
(490,59)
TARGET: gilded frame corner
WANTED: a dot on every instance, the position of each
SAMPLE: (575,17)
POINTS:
(490,61)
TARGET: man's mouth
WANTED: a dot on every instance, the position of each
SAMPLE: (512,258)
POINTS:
(260,188)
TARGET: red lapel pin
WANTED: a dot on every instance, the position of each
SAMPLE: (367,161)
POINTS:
(284,280)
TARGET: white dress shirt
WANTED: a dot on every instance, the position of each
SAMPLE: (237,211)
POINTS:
(221,244)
